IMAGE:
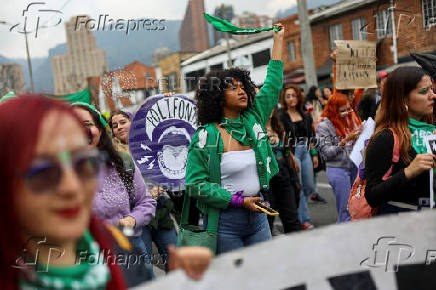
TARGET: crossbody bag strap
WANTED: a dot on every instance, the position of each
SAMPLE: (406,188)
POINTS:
(214,177)
(395,155)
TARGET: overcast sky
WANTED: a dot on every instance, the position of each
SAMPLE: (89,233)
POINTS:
(12,43)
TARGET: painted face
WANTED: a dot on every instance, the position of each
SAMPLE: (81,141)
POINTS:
(421,99)
(235,96)
(54,203)
(121,127)
(291,99)
(86,118)
(345,110)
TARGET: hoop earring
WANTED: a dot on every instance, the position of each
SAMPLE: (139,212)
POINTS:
(407,108)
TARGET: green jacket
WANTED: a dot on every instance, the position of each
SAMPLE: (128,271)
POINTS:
(197,181)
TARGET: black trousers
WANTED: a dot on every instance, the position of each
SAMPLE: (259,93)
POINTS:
(284,197)
(178,197)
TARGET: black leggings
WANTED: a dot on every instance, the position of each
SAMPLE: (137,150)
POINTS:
(284,197)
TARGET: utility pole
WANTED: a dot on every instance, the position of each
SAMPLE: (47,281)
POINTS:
(226,36)
(29,64)
(306,45)
(394,34)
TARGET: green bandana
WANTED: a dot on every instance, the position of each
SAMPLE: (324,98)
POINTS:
(88,273)
(418,131)
(102,120)
(222,25)
(235,127)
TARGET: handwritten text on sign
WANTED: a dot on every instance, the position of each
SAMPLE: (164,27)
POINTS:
(355,64)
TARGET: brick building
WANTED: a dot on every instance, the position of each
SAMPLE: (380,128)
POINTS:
(251,21)
(193,34)
(127,88)
(415,25)
(11,79)
(170,67)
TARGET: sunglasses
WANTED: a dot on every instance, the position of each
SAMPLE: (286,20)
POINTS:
(45,174)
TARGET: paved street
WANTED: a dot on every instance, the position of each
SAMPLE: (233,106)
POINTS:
(321,213)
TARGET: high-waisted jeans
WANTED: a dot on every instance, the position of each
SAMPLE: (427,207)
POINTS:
(307,181)
(239,227)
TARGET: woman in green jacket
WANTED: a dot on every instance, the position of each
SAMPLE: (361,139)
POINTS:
(229,110)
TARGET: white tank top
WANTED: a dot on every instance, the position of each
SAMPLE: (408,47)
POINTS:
(239,172)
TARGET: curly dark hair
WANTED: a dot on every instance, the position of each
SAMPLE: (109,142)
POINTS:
(210,93)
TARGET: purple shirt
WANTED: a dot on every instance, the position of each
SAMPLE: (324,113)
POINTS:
(111,202)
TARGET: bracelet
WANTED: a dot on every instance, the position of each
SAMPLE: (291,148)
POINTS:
(313,152)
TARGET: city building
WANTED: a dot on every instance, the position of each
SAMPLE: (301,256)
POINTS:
(170,72)
(249,20)
(193,34)
(128,88)
(158,54)
(224,12)
(82,60)
(252,54)
(414,22)
(11,79)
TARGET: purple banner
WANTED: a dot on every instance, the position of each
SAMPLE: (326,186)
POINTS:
(159,137)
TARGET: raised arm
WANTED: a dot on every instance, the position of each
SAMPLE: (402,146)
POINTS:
(268,97)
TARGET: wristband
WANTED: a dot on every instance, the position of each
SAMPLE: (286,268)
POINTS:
(237,199)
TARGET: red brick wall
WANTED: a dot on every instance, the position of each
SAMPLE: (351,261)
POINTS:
(410,37)
(292,34)
(413,37)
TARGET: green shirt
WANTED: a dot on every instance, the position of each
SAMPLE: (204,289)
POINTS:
(419,130)
(254,120)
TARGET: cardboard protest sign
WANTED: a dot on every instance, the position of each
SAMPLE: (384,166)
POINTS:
(159,137)
(355,64)
(389,252)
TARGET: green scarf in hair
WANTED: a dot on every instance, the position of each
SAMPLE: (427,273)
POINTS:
(418,131)
(222,25)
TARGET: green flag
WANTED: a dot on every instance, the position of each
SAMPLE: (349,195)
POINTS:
(83,96)
(222,25)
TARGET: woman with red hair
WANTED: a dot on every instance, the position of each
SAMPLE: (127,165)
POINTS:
(336,134)
(48,177)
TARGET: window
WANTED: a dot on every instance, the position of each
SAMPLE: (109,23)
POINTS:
(335,34)
(429,13)
(172,82)
(261,58)
(358,26)
(192,79)
(291,51)
(384,24)
(216,67)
